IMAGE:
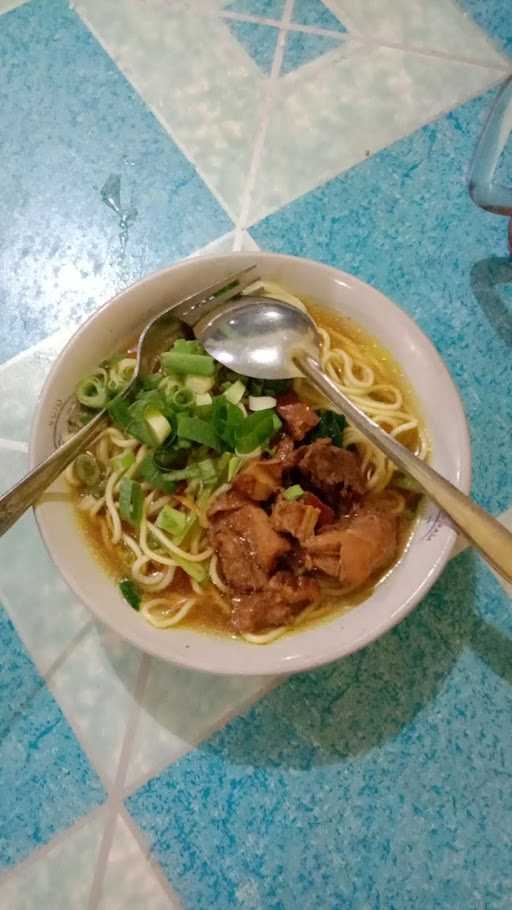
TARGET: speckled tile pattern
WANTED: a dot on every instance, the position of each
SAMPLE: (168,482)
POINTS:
(382,781)
(494,17)
(47,782)
(451,282)
(64,250)
(379,783)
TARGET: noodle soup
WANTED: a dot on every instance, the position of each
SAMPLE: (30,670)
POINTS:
(246,508)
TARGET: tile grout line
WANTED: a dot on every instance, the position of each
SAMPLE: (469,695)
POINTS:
(365,39)
(412,128)
(116,792)
(230,714)
(151,861)
(265,116)
(133,82)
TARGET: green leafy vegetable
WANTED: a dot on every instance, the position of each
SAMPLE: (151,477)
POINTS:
(130,593)
(255,431)
(274,387)
(197,430)
(131,501)
(331,426)
(226,420)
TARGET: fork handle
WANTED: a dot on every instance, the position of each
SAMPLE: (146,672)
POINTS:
(486,534)
(28,490)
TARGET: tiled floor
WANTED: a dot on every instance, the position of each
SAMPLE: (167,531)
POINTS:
(340,131)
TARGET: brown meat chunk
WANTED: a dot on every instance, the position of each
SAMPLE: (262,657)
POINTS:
(328,467)
(299,418)
(264,476)
(285,597)
(247,547)
(354,550)
(226,502)
(260,479)
(295,518)
(286,452)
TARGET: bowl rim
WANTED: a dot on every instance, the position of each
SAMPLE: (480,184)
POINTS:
(328,653)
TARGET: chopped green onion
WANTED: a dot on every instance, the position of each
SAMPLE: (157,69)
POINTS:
(261,402)
(294,492)
(122,462)
(207,470)
(130,593)
(187,473)
(403,482)
(235,392)
(148,472)
(131,501)
(196,570)
(182,399)
(274,387)
(255,431)
(169,456)
(203,400)
(157,425)
(172,521)
(184,346)
(92,392)
(86,469)
(151,381)
(199,384)
(188,364)
(197,430)
(235,463)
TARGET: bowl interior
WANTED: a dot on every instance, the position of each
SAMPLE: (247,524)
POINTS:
(119,320)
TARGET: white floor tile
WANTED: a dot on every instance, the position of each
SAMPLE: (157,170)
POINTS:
(205,90)
(439,25)
(45,612)
(130,883)
(180,709)
(95,687)
(354,107)
(60,877)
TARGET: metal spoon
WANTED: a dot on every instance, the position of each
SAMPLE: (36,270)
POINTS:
(164,328)
(268,339)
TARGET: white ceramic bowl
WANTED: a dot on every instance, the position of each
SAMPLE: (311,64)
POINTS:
(409,581)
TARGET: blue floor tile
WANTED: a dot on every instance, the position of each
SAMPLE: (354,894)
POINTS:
(301,48)
(267,9)
(70,121)
(382,781)
(315,13)
(46,780)
(453,281)
(495,17)
(258,40)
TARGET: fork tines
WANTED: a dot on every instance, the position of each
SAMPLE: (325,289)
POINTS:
(190,309)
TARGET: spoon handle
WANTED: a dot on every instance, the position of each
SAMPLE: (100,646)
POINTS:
(28,490)
(486,534)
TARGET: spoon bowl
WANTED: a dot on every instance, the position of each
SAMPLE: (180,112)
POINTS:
(259,337)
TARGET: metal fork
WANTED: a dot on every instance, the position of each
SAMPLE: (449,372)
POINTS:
(165,327)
